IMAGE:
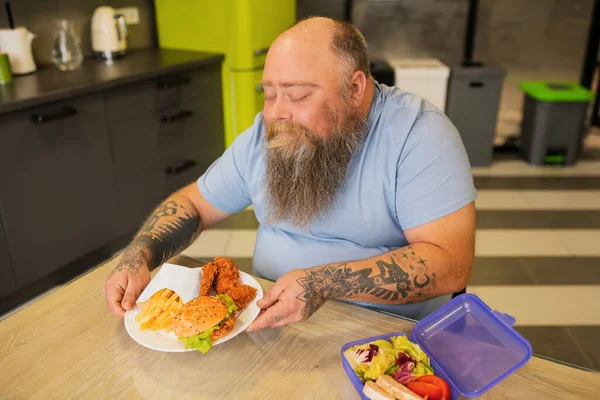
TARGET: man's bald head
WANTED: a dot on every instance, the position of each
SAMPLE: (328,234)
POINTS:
(341,38)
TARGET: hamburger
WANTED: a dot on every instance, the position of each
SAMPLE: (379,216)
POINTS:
(204,319)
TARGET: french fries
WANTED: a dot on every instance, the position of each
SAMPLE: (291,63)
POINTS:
(157,313)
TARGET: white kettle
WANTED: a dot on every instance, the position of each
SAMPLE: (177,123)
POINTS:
(17,44)
(109,33)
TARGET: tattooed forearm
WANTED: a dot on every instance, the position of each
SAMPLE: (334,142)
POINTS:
(396,277)
(134,258)
(166,232)
(164,210)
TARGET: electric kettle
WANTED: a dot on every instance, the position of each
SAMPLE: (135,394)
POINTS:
(17,44)
(109,33)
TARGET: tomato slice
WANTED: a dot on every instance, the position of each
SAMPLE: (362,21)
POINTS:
(437,381)
(424,389)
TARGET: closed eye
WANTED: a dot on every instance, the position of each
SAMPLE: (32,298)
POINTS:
(299,99)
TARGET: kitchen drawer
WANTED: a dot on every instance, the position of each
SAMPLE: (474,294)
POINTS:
(168,91)
(182,170)
(138,195)
(57,188)
(133,100)
(194,143)
(7,278)
(176,123)
(201,83)
(135,143)
(195,128)
(149,139)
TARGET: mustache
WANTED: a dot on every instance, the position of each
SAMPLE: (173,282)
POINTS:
(280,133)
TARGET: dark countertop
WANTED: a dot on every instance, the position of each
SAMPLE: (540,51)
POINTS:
(49,84)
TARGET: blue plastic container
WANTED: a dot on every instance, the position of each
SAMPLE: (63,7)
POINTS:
(471,346)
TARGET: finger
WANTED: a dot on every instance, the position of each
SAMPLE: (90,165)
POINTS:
(132,292)
(114,294)
(283,321)
(273,314)
(271,296)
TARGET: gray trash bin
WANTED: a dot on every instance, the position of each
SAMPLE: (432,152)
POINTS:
(553,122)
(472,106)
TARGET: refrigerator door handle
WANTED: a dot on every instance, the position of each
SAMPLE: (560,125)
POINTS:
(260,52)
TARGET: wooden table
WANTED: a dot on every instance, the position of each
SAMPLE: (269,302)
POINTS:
(68,346)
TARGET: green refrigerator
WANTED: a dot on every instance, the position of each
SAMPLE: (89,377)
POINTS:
(243,30)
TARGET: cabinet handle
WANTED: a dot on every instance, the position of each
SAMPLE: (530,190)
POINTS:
(260,52)
(184,166)
(173,82)
(169,119)
(65,112)
(476,84)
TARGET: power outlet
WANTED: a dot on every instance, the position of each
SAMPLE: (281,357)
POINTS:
(131,14)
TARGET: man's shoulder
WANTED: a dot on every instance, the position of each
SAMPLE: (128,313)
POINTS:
(408,120)
(402,113)
(396,99)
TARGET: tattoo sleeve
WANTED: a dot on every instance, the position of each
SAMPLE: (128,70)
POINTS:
(170,228)
(397,277)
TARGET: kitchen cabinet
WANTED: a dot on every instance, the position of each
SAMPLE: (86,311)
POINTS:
(7,279)
(164,135)
(57,186)
(86,156)
(241,29)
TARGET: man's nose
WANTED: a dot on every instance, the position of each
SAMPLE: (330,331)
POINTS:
(279,111)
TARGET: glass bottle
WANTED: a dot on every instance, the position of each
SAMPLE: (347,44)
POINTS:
(66,53)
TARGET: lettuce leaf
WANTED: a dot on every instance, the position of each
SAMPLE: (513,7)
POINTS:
(231,307)
(382,344)
(411,349)
(202,342)
(412,360)
(379,364)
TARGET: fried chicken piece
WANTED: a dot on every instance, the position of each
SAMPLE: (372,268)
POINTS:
(241,295)
(208,277)
(227,282)
(227,274)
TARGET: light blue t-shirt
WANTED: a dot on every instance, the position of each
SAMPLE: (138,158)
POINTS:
(411,169)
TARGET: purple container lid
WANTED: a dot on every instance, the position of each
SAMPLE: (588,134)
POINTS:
(471,346)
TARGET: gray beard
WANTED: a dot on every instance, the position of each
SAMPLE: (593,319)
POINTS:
(304,171)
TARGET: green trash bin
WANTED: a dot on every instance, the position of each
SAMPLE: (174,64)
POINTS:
(553,122)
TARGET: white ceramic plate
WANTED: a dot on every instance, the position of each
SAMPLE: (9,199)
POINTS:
(163,341)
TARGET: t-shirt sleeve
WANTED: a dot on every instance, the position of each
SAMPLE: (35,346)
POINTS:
(224,183)
(433,176)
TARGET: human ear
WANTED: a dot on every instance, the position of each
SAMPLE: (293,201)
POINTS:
(358,86)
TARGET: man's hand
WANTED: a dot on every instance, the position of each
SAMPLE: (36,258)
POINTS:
(125,284)
(288,301)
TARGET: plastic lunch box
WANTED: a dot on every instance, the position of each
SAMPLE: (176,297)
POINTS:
(471,346)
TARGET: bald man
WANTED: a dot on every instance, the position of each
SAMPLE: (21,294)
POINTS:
(363,192)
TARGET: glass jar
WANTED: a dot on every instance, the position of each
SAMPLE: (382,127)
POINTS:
(66,52)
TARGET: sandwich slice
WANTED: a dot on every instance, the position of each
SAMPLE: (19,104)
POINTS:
(397,390)
(374,392)
(203,320)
